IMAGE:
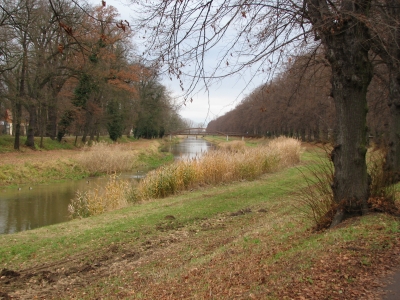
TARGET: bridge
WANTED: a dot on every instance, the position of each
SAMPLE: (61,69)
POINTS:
(203,132)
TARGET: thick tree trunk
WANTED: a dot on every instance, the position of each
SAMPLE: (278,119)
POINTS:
(351,75)
(346,42)
(30,140)
(393,154)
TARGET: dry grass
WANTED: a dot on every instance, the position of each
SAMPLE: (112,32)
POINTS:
(316,200)
(107,158)
(227,164)
(233,146)
(94,202)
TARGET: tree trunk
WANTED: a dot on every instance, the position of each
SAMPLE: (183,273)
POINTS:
(30,140)
(316,135)
(51,127)
(17,122)
(351,75)
(21,92)
(86,126)
(309,135)
(392,165)
(303,134)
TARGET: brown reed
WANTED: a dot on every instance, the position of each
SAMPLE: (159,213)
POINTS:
(226,164)
(99,200)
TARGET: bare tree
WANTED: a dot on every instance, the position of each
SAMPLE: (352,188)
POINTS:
(260,34)
(385,33)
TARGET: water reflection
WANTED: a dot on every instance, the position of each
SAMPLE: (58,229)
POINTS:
(190,147)
(48,204)
(42,205)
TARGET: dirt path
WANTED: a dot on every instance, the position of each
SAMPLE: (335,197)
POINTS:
(392,286)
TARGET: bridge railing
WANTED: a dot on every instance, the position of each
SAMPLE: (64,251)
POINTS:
(202,131)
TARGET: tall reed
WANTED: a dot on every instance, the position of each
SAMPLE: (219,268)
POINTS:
(315,200)
(106,158)
(99,200)
(219,166)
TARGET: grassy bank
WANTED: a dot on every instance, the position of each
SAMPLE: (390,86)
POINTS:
(68,143)
(68,162)
(244,240)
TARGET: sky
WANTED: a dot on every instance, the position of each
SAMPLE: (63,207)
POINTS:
(221,96)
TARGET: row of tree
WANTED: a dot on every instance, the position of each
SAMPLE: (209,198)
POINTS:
(298,103)
(71,69)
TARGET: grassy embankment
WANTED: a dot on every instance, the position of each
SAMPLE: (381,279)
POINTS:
(69,162)
(244,240)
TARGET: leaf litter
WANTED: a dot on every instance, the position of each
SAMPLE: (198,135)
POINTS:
(237,255)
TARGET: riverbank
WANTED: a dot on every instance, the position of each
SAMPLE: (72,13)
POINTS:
(70,163)
(245,240)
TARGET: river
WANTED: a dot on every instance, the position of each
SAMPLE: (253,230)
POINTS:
(41,205)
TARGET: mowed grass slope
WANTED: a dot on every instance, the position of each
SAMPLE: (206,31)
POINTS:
(245,240)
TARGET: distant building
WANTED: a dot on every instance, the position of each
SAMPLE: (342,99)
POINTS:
(6,124)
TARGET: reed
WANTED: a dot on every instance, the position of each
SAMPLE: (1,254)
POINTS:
(233,146)
(315,201)
(107,158)
(113,196)
(226,164)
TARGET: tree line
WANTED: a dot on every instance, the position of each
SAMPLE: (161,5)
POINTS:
(298,103)
(71,69)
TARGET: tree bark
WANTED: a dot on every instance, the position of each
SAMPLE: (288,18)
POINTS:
(351,75)
(21,93)
(346,42)
(30,140)
(303,134)
(87,126)
(17,122)
(51,127)
(316,135)
(392,166)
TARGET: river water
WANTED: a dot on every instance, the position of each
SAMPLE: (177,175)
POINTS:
(36,206)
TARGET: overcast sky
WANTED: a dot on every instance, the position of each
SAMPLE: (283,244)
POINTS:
(221,97)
